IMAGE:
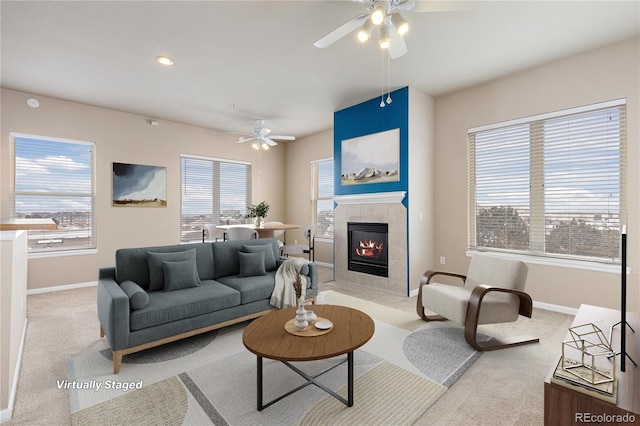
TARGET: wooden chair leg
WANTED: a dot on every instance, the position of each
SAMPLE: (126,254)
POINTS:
(470,335)
(117,360)
(101,332)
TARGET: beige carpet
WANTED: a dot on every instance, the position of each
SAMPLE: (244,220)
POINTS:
(503,387)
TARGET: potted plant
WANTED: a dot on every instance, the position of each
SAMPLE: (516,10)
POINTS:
(259,211)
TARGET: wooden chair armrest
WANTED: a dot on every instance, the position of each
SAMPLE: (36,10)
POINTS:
(473,312)
(426,277)
(478,293)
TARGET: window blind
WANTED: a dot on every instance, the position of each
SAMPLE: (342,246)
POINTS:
(213,191)
(551,185)
(54,178)
(322,197)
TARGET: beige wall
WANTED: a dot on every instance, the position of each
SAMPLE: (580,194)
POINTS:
(127,138)
(299,156)
(601,75)
(421,186)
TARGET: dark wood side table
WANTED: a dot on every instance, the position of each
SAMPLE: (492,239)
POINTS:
(267,338)
(565,406)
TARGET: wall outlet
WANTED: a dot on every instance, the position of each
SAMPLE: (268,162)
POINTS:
(443,260)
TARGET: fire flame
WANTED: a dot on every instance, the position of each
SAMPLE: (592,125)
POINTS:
(369,248)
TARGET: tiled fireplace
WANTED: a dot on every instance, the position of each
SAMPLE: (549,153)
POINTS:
(376,253)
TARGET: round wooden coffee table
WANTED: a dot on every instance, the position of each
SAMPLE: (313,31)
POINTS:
(267,338)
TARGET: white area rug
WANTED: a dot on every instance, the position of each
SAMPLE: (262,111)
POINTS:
(216,384)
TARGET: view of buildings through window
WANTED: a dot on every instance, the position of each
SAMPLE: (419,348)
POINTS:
(552,185)
(213,191)
(54,178)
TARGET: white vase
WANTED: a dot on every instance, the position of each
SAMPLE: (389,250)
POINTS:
(301,319)
(259,222)
(311,317)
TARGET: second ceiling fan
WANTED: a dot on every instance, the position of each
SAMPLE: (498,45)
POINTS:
(261,136)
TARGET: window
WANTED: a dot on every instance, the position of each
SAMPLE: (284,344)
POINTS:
(213,192)
(322,197)
(54,178)
(551,185)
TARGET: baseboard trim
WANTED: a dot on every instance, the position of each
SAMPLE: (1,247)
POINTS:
(61,287)
(555,308)
(7,413)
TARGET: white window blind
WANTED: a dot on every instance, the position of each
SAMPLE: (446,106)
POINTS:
(551,185)
(213,191)
(54,178)
(322,197)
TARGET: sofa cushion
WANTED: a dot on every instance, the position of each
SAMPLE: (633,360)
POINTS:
(165,307)
(179,275)
(251,289)
(138,298)
(156,272)
(132,264)
(251,264)
(225,254)
(269,258)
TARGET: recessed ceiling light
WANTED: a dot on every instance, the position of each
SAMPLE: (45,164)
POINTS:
(33,103)
(164,60)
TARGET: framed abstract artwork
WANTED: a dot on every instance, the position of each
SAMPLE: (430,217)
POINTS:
(373,158)
(136,185)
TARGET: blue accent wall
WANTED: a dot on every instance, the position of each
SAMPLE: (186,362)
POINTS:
(368,118)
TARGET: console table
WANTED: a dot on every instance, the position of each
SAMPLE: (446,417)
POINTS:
(561,404)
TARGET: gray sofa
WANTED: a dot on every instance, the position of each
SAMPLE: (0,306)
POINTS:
(156,295)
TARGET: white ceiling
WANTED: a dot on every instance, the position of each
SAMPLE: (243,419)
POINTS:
(259,55)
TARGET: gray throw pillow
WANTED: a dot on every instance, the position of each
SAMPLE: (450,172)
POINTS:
(269,258)
(156,273)
(179,275)
(138,298)
(251,264)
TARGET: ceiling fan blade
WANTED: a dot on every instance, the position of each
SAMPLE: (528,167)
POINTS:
(243,140)
(269,141)
(262,132)
(283,138)
(397,47)
(341,31)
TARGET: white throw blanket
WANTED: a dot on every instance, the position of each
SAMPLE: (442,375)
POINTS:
(284,296)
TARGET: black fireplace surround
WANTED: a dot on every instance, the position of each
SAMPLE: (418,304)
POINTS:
(368,248)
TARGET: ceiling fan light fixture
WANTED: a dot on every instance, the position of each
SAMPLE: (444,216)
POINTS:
(256,145)
(265,146)
(380,12)
(400,24)
(365,32)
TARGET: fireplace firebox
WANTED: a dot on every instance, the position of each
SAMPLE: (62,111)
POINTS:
(368,248)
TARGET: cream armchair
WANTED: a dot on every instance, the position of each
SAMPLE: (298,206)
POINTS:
(491,292)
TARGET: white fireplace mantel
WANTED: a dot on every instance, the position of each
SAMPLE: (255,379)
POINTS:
(373,198)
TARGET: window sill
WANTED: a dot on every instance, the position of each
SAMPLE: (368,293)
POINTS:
(609,268)
(60,253)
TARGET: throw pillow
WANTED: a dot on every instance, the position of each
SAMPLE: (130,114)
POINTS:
(179,275)
(138,298)
(269,258)
(251,264)
(156,274)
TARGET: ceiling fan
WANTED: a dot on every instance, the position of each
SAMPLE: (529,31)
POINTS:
(262,136)
(385,15)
